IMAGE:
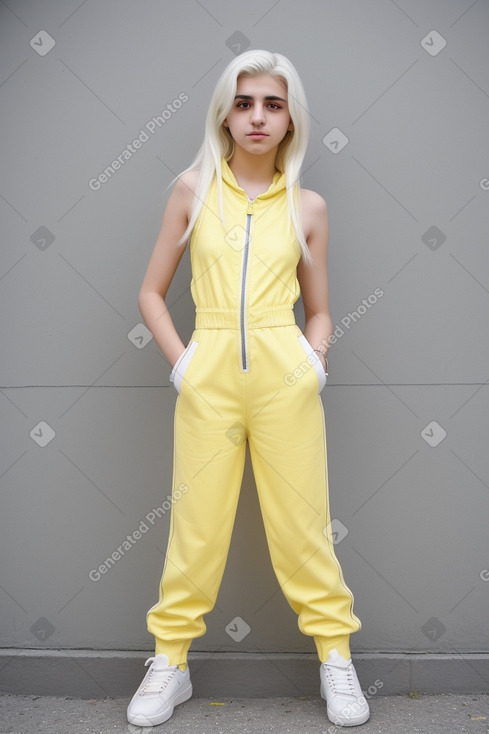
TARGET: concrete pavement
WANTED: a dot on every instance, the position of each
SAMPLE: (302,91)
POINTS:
(439,714)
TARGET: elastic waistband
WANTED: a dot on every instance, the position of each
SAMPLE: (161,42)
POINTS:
(209,318)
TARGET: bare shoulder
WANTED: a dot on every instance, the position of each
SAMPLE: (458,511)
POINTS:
(314,212)
(189,178)
(186,183)
(182,196)
(312,202)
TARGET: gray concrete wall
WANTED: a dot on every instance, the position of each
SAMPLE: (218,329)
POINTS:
(86,405)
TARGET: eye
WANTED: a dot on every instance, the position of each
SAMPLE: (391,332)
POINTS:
(243,105)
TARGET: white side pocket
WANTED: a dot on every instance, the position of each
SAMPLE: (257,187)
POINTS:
(315,361)
(180,366)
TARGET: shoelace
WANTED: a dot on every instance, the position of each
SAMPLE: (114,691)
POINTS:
(341,681)
(157,679)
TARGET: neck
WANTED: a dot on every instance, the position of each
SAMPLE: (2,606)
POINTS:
(253,168)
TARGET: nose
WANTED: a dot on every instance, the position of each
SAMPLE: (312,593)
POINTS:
(257,114)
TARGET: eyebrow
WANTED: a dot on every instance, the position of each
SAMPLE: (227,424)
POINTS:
(270,97)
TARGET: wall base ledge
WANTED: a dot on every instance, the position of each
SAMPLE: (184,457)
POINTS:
(96,674)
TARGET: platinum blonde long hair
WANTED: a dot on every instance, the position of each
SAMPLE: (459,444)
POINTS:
(218,142)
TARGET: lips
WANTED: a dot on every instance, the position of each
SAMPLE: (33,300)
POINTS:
(257,135)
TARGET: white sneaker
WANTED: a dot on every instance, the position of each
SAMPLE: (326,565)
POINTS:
(164,687)
(346,704)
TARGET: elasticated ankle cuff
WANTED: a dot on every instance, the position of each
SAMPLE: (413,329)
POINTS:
(176,650)
(324,645)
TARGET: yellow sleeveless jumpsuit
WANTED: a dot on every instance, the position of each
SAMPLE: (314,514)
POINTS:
(249,375)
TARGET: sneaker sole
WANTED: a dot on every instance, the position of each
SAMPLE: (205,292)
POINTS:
(161,716)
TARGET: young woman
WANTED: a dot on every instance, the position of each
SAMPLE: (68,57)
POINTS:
(248,375)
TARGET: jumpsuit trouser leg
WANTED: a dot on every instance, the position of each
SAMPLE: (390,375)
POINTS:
(218,408)
(287,440)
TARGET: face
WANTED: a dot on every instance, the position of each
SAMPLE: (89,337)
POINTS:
(259,118)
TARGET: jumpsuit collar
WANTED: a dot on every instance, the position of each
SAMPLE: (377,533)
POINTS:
(277,186)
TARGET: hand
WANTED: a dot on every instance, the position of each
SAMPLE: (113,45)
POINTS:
(323,359)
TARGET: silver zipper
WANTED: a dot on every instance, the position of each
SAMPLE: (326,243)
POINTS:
(244,274)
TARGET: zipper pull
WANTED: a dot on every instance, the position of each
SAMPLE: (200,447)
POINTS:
(250,207)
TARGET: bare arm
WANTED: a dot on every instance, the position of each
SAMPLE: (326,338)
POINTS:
(162,267)
(313,279)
